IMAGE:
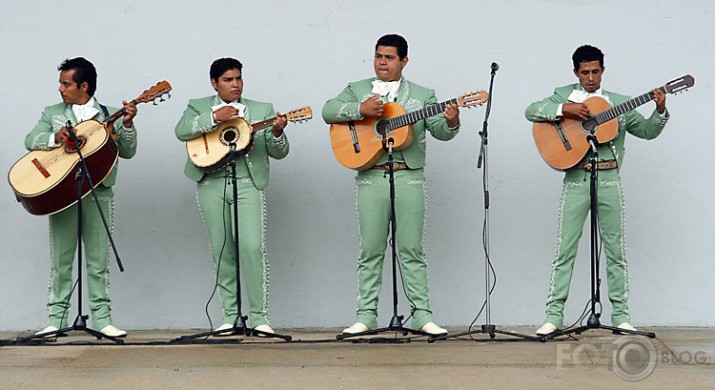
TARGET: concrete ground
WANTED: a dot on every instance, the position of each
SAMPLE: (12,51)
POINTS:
(678,358)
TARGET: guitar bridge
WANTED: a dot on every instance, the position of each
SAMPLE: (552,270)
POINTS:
(562,135)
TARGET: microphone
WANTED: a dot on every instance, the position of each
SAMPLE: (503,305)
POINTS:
(495,67)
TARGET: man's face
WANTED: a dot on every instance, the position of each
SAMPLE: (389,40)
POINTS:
(229,85)
(388,65)
(589,75)
(69,90)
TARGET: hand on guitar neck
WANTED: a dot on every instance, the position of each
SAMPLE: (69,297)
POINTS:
(227,113)
(374,107)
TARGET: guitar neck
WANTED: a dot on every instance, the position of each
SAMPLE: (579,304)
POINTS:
(605,116)
(416,116)
(116,115)
(262,124)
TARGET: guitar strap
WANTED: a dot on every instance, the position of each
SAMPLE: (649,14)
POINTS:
(104,110)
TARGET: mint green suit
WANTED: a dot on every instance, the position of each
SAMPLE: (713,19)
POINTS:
(373,202)
(63,225)
(575,207)
(215,199)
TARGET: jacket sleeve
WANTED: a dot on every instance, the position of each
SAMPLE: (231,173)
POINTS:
(276,148)
(545,110)
(436,124)
(39,137)
(194,122)
(126,140)
(344,107)
(649,128)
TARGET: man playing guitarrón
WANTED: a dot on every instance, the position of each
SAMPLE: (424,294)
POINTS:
(568,102)
(78,80)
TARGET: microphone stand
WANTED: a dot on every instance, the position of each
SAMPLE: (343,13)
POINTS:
(80,322)
(239,326)
(487,328)
(396,324)
(593,321)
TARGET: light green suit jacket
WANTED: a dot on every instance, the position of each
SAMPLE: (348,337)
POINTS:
(55,117)
(411,97)
(196,121)
(632,121)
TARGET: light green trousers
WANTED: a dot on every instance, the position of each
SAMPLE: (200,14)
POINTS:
(215,197)
(575,207)
(95,255)
(373,202)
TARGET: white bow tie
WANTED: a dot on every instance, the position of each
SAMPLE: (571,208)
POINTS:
(238,106)
(84,112)
(580,96)
(386,88)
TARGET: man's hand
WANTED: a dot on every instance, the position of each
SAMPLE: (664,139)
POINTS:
(225,114)
(129,114)
(62,136)
(451,114)
(372,106)
(279,124)
(659,99)
(576,110)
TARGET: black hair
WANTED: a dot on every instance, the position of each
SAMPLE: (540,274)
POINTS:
(222,65)
(84,72)
(396,41)
(586,53)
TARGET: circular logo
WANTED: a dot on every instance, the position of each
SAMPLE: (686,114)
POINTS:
(634,358)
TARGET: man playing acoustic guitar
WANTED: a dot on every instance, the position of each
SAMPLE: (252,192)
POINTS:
(78,81)
(215,195)
(568,102)
(366,98)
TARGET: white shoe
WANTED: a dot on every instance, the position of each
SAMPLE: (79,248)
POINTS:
(433,329)
(227,328)
(547,328)
(113,331)
(265,328)
(627,326)
(46,332)
(357,327)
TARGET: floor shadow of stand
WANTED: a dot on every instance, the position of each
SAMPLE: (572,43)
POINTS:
(239,327)
(80,322)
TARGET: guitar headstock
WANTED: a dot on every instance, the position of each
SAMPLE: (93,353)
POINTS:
(476,98)
(680,84)
(300,114)
(155,93)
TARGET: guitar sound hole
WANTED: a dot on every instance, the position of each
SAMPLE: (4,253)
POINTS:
(382,127)
(589,125)
(229,135)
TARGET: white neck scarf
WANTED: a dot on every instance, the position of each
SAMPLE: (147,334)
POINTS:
(238,106)
(386,88)
(580,95)
(85,111)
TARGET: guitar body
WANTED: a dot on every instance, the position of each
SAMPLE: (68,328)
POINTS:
(554,148)
(44,180)
(369,139)
(211,150)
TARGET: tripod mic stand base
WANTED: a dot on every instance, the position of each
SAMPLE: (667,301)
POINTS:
(594,323)
(395,326)
(239,329)
(79,325)
(487,329)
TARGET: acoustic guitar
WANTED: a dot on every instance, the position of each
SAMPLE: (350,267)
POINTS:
(211,150)
(564,144)
(44,180)
(358,144)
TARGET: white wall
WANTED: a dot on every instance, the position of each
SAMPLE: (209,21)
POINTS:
(298,53)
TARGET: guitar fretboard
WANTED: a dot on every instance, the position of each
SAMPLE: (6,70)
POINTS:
(605,116)
(415,116)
